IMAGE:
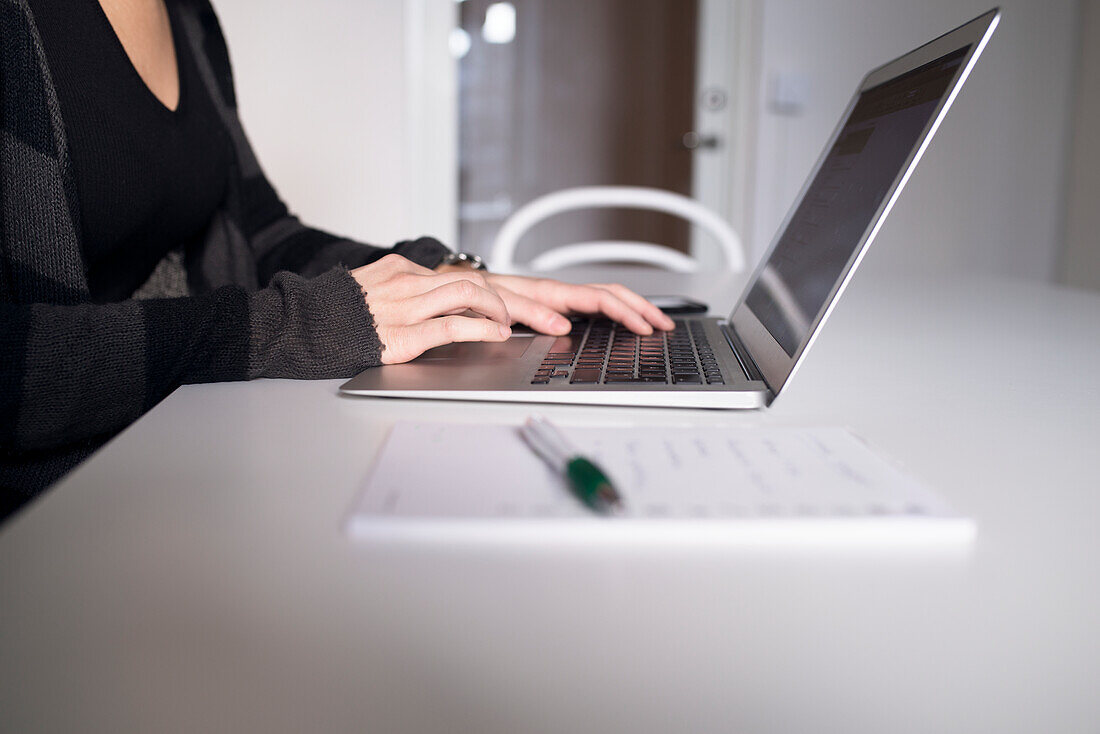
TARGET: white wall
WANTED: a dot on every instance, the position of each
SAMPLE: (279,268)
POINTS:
(322,91)
(1081,261)
(987,195)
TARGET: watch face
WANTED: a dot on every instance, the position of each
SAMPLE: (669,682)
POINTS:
(472,261)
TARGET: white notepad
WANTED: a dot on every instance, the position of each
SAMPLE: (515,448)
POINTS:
(448,482)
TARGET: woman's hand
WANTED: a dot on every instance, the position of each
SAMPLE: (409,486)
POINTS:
(415,308)
(541,303)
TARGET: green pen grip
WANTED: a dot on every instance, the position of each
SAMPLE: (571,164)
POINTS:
(587,481)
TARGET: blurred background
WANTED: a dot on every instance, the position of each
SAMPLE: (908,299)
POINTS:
(382,120)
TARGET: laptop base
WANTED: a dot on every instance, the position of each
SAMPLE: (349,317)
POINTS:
(514,371)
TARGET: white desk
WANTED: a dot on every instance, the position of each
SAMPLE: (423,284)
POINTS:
(192,576)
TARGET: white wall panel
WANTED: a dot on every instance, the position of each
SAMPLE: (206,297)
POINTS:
(986,197)
(322,95)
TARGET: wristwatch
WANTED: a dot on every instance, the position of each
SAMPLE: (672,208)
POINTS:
(470,260)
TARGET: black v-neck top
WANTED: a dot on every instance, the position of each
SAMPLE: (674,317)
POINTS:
(148,178)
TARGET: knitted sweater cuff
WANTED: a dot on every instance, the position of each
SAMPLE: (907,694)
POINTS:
(311,329)
(426,251)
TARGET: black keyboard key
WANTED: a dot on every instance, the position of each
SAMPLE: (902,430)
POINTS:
(585,375)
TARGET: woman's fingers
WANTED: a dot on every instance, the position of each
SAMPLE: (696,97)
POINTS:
(401,282)
(595,300)
(614,301)
(648,311)
(408,342)
(615,308)
(528,311)
(457,296)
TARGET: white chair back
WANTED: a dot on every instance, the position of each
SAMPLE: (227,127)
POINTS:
(502,256)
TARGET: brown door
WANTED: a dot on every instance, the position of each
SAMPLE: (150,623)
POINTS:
(588,92)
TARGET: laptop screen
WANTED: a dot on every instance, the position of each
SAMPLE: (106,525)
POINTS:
(885,125)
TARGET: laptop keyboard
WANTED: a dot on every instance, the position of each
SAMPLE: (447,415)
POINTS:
(599,351)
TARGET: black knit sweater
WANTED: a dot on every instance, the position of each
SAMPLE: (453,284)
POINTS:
(258,295)
(149,178)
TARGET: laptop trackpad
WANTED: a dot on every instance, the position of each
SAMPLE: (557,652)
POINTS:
(514,348)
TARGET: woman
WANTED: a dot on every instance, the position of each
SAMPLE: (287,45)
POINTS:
(142,247)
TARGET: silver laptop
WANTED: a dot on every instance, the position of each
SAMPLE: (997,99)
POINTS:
(745,360)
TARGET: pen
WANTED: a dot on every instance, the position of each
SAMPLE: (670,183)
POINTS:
(589,483)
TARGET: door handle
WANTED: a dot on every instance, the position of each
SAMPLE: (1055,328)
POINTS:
(695,141)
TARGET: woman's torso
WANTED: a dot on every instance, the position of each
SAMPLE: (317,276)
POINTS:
(148,178)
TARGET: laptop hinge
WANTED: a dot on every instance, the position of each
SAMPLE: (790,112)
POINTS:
(748,366)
